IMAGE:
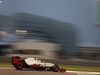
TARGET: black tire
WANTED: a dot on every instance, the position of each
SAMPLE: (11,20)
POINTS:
(19,66)
(55,68)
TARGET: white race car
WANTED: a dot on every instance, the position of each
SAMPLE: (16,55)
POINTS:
(35,64)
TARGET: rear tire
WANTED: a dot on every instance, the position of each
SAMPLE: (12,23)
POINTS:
(19,66)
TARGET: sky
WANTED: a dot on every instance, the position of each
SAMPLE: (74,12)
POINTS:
(80,13)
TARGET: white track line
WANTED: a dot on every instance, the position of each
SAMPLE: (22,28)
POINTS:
(84,73)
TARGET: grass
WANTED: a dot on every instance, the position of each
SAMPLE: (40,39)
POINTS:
(81,68)
(68,67)
(6,64)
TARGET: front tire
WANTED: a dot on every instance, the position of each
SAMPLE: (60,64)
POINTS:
(19,66)
(55,68)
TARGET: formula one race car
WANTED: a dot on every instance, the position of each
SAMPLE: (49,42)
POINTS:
(35,64)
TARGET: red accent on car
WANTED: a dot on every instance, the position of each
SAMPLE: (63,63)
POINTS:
(36,65)
(15,59)
(62,70)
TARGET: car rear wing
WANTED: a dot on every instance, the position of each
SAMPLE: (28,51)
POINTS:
(15,60)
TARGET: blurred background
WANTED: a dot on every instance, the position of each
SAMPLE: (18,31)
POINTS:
(50,29)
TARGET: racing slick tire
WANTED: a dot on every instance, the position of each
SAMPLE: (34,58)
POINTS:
(19,66)
(55,68)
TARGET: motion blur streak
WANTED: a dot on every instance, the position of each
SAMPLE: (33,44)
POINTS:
(54,29)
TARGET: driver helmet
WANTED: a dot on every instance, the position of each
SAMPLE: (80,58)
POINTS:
(36,58)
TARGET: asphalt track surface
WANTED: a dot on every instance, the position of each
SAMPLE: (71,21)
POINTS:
(30,72)
(12,71)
